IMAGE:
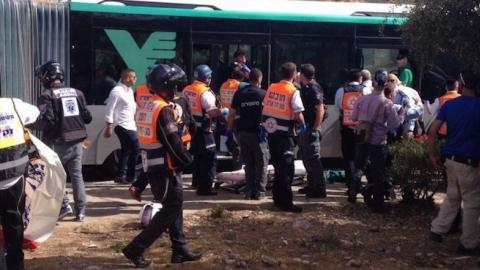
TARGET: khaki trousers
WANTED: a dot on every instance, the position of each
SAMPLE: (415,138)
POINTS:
(463,187)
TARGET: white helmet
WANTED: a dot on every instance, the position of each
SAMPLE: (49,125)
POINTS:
(148,212)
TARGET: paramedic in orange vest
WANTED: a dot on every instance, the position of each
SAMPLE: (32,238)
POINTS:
(164,156)
(142,93)
(345,100)
(227,90)
(451,86)
(185,122)
(282,108)
(204,110)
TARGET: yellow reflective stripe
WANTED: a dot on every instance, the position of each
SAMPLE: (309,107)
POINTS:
(155,161)
(151,146)
(13,163)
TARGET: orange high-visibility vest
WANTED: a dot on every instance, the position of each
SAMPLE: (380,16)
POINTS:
(146,117)
(277,114)
(194,94)
(227,90)
(448,96)
(142,94)
(351,93)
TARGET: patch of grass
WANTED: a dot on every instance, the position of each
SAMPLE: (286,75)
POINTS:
(117,246)
(217,211)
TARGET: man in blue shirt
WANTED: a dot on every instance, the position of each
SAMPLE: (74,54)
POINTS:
(462,154)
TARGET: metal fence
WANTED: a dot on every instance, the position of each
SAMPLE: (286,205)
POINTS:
(31,32)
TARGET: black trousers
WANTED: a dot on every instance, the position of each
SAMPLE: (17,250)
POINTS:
(348,153)
(204,161)
(309,142)
(130,148)
(12,205)
(375,156)
(169,217)
(282,157)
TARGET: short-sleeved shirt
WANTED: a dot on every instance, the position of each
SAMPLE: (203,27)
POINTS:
(312,96)
(208,101)
(463,117)
(247,102)
(405,75)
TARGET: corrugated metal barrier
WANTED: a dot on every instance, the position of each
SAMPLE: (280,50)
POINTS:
(31,32)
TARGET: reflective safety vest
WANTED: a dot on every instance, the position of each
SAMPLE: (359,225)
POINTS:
(351,93)
(13,147)
(448,96)
(146,117)
(277,114)
(142,94)
(227,90)
(194,94)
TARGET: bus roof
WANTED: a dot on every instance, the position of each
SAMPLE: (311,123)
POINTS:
(302,11)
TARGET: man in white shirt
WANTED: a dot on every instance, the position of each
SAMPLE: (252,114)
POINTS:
(14,113)
(120,116)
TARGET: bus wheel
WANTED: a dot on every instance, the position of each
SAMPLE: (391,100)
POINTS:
(110,165)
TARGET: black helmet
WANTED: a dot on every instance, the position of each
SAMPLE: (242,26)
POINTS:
(49,72)
(202,73)
(166,78)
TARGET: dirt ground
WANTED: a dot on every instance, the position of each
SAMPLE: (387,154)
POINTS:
(329,234)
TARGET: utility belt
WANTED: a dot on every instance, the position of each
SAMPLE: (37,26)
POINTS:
(464,160)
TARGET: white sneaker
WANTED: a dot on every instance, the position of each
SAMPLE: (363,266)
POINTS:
(65,211)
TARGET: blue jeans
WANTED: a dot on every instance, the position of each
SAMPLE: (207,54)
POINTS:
(70,153)
(129,153)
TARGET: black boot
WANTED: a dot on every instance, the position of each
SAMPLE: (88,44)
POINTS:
(181,256)
(138,261)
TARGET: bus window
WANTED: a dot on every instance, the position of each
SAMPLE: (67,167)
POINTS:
(374,59)
(327,55)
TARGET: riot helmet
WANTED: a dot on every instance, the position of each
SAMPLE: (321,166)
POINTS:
(202,73)
(49,72)
(149,70)
(166,79)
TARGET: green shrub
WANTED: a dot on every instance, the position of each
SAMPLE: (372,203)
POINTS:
(412,172)
(217,211)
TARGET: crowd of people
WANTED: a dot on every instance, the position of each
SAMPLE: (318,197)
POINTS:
(166,125)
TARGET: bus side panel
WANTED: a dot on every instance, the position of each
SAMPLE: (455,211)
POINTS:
(95,154)
(330,146)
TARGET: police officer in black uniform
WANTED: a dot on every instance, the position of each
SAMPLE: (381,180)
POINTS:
(246,113)
(165,179)
(63,115)
(312,97)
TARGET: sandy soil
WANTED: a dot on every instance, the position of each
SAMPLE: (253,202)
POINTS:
(329,234)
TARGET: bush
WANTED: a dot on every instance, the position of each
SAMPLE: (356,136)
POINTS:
(412,172)
(217,211)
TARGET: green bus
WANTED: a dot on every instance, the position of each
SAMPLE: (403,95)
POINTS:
(107,36)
